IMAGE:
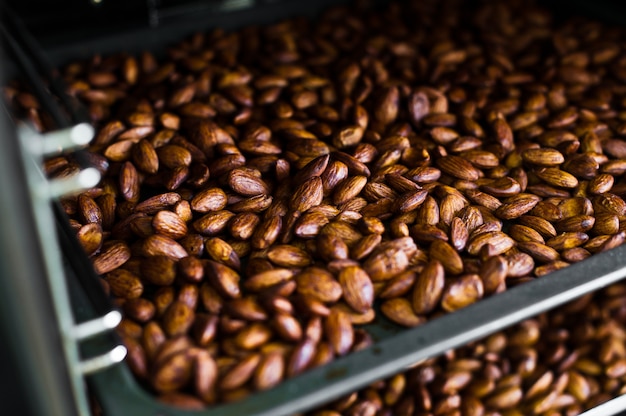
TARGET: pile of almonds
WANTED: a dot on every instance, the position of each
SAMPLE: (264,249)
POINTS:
(559,363)
(264,189)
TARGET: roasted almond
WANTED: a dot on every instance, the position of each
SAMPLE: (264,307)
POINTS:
(428,288)
(319,284)
(244,183)
(358,291)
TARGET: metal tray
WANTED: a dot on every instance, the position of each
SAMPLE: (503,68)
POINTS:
(395,348)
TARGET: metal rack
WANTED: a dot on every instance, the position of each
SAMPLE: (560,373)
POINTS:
(55,252)
(33,147)
(395,350)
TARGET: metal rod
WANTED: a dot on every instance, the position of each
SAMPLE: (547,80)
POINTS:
(103,361)
(97,326)
(85,179)
(65,140)
(612,407)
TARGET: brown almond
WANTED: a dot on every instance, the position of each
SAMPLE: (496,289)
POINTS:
(542,226)
(301,357)
(319,284)
(208,200)
(556,177)
(483,199)
(543,157)
(447,256)
(242,226)
(505,398)
(386,264)
(458,167)
(348,189)
(145,157)
(567,240)
(538,251)
(517,206)
(339,331)
(240,373)
(288,256)
(461,292)
(213,223)
(399,310)
(111,257)
(502,187)
(90,237)
(577,223)
(428,288)
(493,272)
(173,156)
(222,252)
(161,245)
(519,265)
(244,183)
(358,291)
(270,371)
(205,374)
(348,136)
(606,224)
(177,319)
(223,278)
(124,284)
(158,270)
(365,246)
(601,184)
(267,279)
(129,182)
(287,327)
(499,240)
(267,232)
(253,336)
(459,234)
(609,203)
(331,247)
(410,201)
(307,195)
(169,224)
(158,203)
(173,373)
(522,233)
(334,173)
(547,211)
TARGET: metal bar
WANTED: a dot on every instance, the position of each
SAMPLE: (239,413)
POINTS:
(97,326)
(612,407)
(65,140)
(93,365)
(41,194)
(392,354)
(84,179)
(26,308)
